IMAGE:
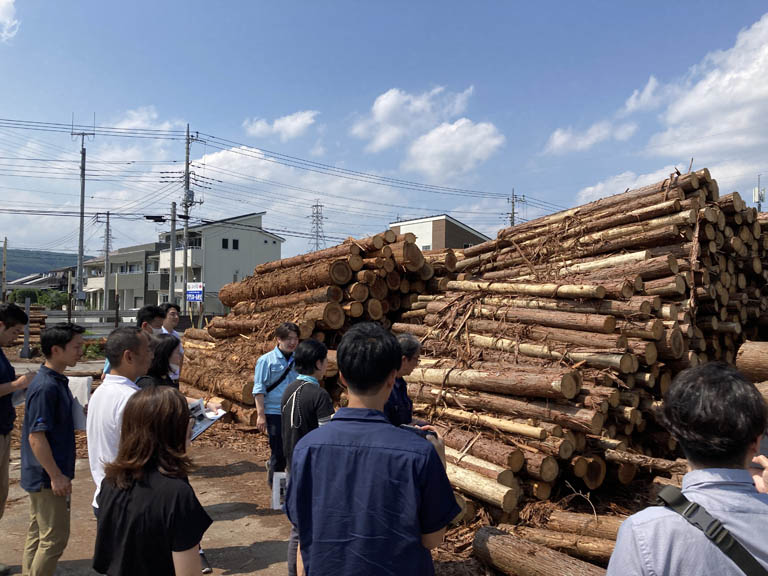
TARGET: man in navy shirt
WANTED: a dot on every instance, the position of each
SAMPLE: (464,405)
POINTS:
(12,322)
(368,497)
(48,450)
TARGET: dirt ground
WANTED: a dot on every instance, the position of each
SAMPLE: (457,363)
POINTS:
(246,538)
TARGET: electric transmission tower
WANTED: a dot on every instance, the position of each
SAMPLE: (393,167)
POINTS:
(317,236)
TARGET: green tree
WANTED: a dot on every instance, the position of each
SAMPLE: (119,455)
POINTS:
(52,299)
(20,294)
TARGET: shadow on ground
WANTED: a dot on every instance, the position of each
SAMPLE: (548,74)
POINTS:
(237,510)
(247,559)
(227,470)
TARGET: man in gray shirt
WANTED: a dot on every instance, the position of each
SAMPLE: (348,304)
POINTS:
(718,419)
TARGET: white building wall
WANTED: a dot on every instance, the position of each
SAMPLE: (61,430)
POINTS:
(423,232)
(223,265)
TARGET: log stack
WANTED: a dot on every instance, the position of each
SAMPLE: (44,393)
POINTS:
(557,341)
(323,292)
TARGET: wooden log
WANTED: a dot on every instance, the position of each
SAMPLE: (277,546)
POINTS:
(503,476)
(584,547)
(571,417)
(281,282)
(751,360)
(375,242)
(600,526)
(541,466)
(405,254)
(545,290)
(546,384)
(647,462)
(634,307)
(357,291)
(378,290)
(353,309)
(514,555)
(334,252)
(318,295)
(491,422)
(474,444)
(483,488)
(373,309)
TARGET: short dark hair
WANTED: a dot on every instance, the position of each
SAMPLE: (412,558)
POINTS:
(367,355)
(162,346)
(58,335)
(715,414)
(284,330)
(149,313)
(120,340)
(166,306)
(307,354)
(11,315)
(153,437)
(409,345)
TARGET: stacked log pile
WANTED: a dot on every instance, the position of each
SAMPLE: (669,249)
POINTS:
(37,318)
(323,292)
(557,341)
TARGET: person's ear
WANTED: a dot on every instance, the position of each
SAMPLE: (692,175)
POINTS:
(128,356)
(343,380)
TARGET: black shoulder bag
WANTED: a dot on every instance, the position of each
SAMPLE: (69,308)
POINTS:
(672,497)
(282,377)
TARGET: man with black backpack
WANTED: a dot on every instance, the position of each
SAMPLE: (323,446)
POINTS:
(274,372)
(717,524)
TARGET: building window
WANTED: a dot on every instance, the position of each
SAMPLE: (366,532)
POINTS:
(235,244)
(224,243)
(467,244)
(274,241)
(266,241)
(427,247)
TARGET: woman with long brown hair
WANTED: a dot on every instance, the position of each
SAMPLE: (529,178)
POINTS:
(150,521)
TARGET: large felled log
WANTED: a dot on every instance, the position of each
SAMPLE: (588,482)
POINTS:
(514,555)
(752,360)
(235,387)
(322,294)
(287,280)
(327,315)
(340,251)
(636,306)
(572,417)
(483,488)
(586,547)
(546,290)
(547,384)
(600,526)
(502,475)
(483,420)
(647,462)
(509,457)
(541,466)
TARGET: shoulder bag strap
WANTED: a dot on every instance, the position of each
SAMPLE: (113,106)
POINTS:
(672,497)
(277,382)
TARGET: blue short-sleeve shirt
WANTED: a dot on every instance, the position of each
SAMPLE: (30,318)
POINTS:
(7,411)
(362,492)
(269,368)
(399,407)
(48,409)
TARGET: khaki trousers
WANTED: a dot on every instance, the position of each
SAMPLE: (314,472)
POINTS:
(5,460)
(48,533)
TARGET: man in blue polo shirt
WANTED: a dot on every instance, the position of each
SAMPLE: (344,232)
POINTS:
(48,450)
(365,496)
(274,371)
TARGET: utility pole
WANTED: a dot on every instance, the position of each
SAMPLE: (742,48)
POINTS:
(5,268)
(759,196)
(186,205)
(107,248)
(172,274)
(80,295)
(512,208)
(317,238)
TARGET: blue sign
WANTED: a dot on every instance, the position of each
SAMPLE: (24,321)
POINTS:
(195,291)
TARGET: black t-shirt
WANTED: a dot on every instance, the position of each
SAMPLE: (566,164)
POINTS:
(7,411)
(139,528)
(149,380)
(305,405)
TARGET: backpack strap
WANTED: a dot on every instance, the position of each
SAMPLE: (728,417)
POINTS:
(672,497)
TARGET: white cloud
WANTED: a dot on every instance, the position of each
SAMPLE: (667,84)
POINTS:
(9,25)
(286,127)
(453,149)
(397,115)
(318,149)
(621,182)
(649,98)
(569,140)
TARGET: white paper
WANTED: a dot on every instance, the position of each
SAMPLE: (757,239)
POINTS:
(279,484)
(80,386)
(203,419)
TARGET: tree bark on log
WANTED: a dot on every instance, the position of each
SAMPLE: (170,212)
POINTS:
(490,422)
(751,360)
(545,290)
(316,296)
(483,488)
(584,547)
(503,476)
(516,556)
(285,281)
(339,251)
(600,526)
(647,462)
(509,457)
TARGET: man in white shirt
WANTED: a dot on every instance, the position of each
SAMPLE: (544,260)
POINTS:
(128,352)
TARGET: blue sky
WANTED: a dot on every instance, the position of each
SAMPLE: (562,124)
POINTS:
(563,102)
